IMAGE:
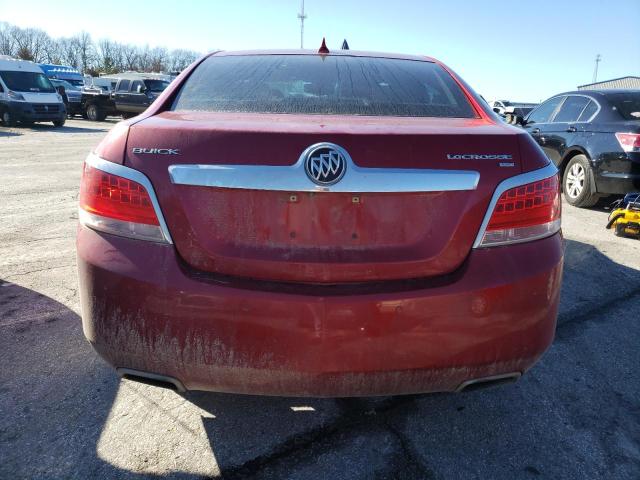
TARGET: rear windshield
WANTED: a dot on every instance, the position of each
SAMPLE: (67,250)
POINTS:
(315,84)
(27,82)
(628,104)
(156,85)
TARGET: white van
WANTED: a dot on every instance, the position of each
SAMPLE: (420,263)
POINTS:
(27,95)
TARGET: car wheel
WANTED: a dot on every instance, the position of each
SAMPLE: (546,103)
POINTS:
(576,183)
(59,123)
(94,113)
(7,119)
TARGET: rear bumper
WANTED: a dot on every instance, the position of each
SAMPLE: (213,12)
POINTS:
(620,174)
(618,183)
(142,310)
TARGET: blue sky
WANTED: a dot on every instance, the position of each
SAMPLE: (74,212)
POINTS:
(518,50)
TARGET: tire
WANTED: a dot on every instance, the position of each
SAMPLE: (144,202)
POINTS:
(577,183)
(7,119)
(59,123)
(95,113)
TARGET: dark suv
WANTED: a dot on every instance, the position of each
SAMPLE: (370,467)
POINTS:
(594,139)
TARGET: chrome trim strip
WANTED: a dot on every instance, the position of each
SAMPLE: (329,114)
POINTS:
(509,183)
(116,169)
(294,179)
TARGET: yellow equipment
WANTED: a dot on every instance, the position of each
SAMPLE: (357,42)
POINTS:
(625,217)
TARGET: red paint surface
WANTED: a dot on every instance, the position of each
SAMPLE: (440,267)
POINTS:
(142,309)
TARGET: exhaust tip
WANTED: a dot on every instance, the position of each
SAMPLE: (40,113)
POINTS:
(488,382)
(152,379)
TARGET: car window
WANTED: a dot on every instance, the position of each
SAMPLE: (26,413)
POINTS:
(123,86)
(156,86)
(315,84)
(1,89)
(589,110)
(627,104)
(135,84)
(542,113)
(571,109)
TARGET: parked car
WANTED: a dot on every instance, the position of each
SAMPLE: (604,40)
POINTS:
(73,104)
(330,224)
(594,139)
(27,95)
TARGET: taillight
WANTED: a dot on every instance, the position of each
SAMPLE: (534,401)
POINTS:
(524,213)
(630,142)
(117,205)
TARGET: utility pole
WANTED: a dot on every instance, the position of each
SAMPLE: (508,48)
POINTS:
(595,71)
(302,18)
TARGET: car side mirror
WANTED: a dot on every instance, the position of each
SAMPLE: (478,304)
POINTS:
(140,89)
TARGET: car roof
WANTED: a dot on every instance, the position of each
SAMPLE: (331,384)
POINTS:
(343,53)
(16,65)
(600,92)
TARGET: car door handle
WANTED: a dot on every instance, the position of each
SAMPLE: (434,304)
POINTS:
(571,129)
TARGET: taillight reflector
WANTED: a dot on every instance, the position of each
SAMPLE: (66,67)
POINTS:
(117,205)
(525,213)
(630,142)
(111,196)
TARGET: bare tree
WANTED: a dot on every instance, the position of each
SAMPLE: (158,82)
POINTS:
(52,51)
(158,59)
(7,43)
(79,51)
(68,52)
(30,43)
(129,57)
(107,61)
(181,59)
(85,50)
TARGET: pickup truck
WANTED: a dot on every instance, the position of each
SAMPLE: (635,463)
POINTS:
(131,96)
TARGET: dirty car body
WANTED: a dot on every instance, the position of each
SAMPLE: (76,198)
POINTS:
(289,223)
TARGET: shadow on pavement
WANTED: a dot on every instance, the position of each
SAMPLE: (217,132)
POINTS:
(575,415)
(55,394)
(68,128)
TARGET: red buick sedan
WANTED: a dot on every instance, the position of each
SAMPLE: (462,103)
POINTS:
(323,224)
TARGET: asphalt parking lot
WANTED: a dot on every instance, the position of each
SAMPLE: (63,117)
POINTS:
(65,414)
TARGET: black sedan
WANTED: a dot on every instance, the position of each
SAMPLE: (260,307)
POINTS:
(593,136)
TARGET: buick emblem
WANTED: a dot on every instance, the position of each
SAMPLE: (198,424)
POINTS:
(325,164)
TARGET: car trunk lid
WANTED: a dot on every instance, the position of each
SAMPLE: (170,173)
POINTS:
(381,230)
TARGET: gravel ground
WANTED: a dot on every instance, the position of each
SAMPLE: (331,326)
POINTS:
(65,414)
